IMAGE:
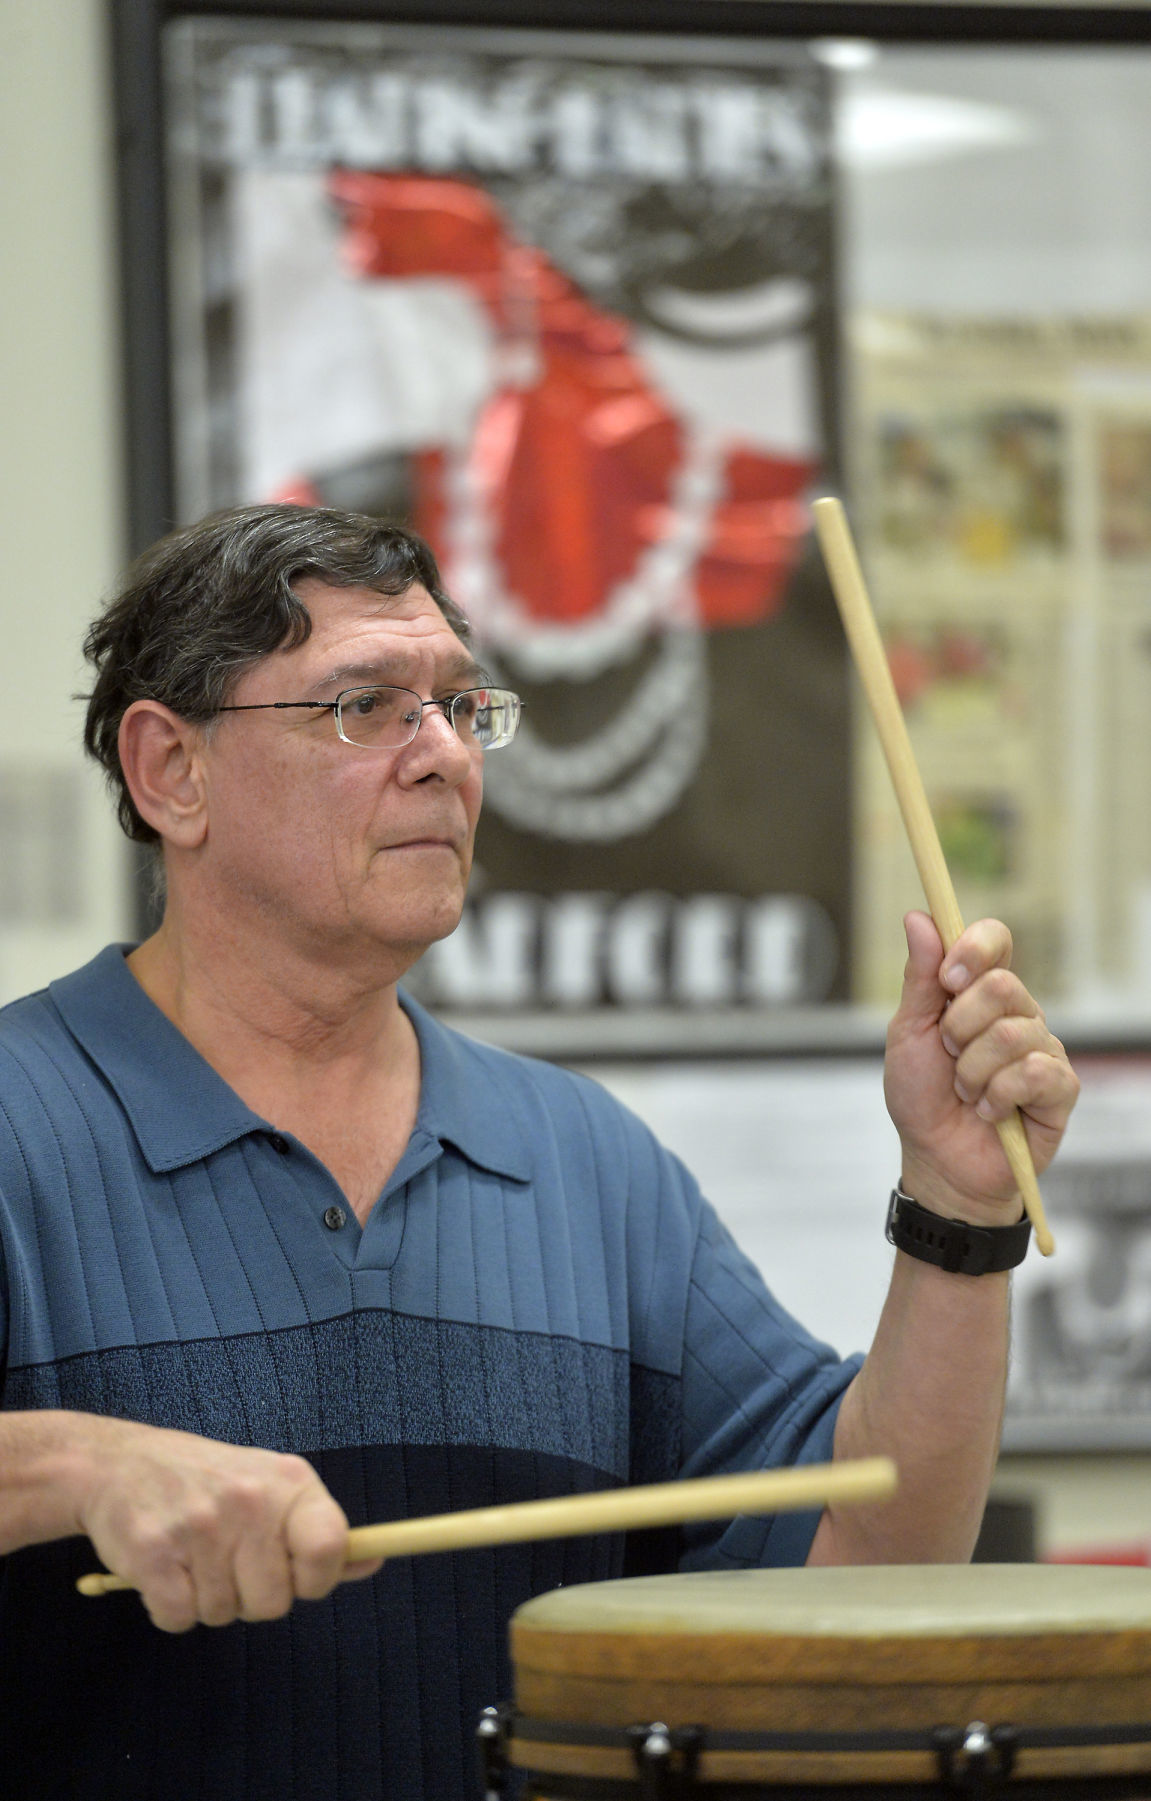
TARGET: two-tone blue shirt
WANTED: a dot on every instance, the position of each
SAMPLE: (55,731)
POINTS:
(541,1302)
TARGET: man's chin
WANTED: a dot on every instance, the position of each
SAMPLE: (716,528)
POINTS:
(425,928)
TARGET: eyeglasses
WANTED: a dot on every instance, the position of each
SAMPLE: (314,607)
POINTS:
(389,718)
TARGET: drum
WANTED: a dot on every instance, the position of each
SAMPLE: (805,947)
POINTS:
(824,1684)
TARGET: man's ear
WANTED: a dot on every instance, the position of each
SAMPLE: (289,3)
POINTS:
(160,757)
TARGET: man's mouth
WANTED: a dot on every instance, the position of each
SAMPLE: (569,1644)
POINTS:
(428,843)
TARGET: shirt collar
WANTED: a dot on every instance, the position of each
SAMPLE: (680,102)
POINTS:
(182,1111)
(461,1101)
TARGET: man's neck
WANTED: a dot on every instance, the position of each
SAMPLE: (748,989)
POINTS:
(332,1061)
(272,1020)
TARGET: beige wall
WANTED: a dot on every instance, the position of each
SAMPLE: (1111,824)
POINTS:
(62,868)
(1082,1503)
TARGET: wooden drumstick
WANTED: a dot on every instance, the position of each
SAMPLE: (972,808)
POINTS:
(611,1510)
(875,674)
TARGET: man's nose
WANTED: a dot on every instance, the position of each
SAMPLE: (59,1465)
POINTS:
(438,743)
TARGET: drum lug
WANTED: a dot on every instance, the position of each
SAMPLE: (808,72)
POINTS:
(975,1758)
(491,1741)
(666,1759)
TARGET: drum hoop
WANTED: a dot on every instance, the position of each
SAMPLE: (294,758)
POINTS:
(1026,1738)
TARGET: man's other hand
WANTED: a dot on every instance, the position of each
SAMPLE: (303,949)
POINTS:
(968,1044)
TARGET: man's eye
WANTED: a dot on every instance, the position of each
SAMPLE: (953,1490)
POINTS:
(464,707)
(366,703)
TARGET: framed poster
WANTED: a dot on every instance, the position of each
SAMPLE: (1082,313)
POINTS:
(565,302)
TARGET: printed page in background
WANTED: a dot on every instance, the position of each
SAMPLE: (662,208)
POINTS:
(1081,1366)
(1003,497)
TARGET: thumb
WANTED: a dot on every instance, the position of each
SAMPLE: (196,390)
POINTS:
(924,997)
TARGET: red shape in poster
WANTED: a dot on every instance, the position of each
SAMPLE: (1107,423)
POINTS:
(576,452)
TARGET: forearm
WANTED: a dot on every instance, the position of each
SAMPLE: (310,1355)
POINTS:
(930,1396)
(45,1458)
(207,1531)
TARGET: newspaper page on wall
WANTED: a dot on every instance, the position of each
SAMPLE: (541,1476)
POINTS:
(566,306)
(1003,483)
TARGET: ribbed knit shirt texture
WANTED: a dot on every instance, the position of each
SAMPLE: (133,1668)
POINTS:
(540,1303)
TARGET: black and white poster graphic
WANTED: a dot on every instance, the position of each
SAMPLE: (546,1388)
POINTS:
(566,306)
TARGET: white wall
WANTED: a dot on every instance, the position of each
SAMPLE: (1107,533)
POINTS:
(63,890)
(1029,193)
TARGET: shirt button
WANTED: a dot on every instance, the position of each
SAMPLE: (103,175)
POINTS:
(334,1218)
(280,1143)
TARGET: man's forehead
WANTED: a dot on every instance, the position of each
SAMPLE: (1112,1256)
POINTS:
(360,635)
(338,613)
(332,601)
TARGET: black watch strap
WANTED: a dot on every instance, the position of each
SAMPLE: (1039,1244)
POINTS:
(953,1244)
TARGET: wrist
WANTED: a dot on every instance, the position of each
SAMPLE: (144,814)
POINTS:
(46,1463)
(957,1245)
(932,1191)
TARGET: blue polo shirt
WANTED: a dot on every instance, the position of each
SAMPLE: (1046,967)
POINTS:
(540,1303)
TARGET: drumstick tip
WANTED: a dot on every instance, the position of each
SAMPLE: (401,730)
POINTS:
(100,1582)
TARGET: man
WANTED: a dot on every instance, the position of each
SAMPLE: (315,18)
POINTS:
(281,1252)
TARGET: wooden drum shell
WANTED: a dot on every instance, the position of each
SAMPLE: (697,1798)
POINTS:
(840,1652)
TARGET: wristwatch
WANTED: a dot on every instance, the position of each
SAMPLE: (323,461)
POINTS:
(954,1244)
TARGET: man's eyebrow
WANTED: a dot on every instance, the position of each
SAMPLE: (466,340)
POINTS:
(393,674)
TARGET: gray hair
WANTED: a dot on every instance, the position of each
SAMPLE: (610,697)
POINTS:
(207,602)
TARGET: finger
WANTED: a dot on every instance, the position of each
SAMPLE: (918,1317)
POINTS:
(358,1572)
(316,1537)
(1003,1043)
(980,947)
(1044,1089)
(169,1595)
(922,998)
(995,996)
(217,1594)
(264,1579)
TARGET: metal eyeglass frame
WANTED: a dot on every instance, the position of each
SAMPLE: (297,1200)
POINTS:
(447,706)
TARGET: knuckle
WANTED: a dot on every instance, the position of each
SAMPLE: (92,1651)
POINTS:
(294,1468)
(325,1540)
(1053,1074)
(1011,1038)
(247,1496)
(153,1542)
(1002,986)
(201,1516)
